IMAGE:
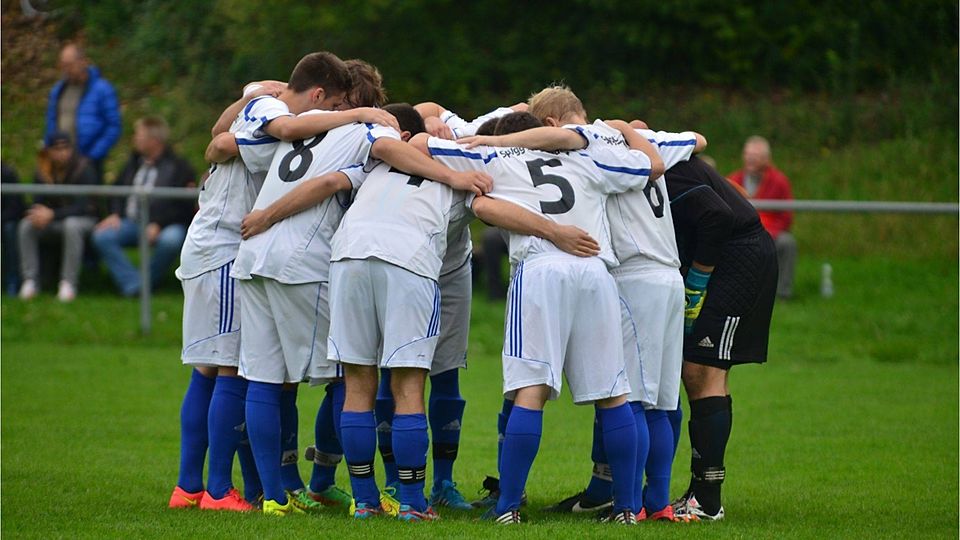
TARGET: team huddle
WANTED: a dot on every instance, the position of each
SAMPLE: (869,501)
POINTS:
(333,230)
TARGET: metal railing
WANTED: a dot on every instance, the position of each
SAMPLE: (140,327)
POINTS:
(144,194)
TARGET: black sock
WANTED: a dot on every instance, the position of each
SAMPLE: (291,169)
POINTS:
(710,421)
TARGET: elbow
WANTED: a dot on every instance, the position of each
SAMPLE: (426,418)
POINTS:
(656,168)
(701,143)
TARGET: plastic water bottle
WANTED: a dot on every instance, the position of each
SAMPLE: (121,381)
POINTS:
(826,281)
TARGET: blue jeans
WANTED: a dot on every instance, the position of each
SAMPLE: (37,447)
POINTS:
(110,244)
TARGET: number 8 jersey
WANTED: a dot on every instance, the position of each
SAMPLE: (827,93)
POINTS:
(569,188)
(297,249)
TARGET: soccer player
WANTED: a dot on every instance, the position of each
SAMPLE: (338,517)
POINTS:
(210,329)
(651,294)
(563,311)
(730,263)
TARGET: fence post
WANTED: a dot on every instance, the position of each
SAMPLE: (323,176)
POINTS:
(144,244)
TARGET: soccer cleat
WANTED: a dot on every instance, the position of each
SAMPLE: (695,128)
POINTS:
(508,518)
(232,501)
(449,496)
(407,513)
(332,496)
(491,486)
(362,511)
(389,502)
(273,508)
(184,499)
(687,508)
(580,503)
(623,517)
(666,514)
(642,515)
(303,501)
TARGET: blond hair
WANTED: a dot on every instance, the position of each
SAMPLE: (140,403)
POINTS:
(556,101)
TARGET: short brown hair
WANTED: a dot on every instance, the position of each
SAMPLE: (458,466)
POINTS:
(155,126)
(516,122)
(555,101)
(408,117)
(367,88)
(322,69)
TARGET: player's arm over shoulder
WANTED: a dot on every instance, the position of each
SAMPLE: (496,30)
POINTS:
(222,147)
(307,194)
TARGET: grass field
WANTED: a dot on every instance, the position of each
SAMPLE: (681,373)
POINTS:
(850,431)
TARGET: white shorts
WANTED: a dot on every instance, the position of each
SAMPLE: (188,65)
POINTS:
(456,291)
(652,301)
(211,319)
(381,314)
(284,329)
(563,316)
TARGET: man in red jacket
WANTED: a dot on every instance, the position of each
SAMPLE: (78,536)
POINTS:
(761,180)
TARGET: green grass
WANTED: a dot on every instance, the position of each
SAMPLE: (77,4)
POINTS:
(850,431)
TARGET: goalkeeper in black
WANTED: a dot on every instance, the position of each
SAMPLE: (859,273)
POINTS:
(729,264)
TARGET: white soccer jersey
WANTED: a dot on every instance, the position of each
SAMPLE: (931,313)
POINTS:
(297,249)
(398,218)
(641,224)
(569,188)
(461,128)
(230,191)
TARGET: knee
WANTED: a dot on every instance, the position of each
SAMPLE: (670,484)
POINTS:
(171,237)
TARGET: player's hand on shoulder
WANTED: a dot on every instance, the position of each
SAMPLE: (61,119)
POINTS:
(478,182)
(479,140)
(520,107)
(438,128)
(639,124)
(618,124)
(264,88)
(254,223)
(372,115)
(574,241)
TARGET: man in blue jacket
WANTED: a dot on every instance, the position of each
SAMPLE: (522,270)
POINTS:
(85,106)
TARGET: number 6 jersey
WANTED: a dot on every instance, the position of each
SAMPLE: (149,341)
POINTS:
(569,188)
(297,249)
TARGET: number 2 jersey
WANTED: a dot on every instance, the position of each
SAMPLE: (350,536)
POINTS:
(641,226)
(401,219)
(569,188)
(230,191)
(297,249)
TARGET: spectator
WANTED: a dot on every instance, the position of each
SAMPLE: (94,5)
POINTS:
(68,217)
(761,180)
(152,163)
(11,214)
(84,106)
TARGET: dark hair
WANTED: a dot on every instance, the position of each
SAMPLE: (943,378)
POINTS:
(489,127)
(367,90)
(322,69)
(408,117)
(517,121)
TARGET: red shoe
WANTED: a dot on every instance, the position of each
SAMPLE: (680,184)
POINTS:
(182,499)
(642,515)
(666,515)
(231,501)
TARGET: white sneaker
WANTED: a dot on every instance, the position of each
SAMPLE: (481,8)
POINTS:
(66,292)
(28,289)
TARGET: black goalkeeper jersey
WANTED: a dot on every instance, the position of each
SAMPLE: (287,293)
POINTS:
(707,212)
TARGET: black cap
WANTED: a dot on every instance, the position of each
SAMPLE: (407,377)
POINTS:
(58,137)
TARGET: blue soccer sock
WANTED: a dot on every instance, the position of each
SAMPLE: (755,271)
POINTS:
(410,445)
(620,440)
(193,431)
(643,451)
(225,428)
(659,461)
(383,411)
(252,488)
(263,428)
(520,445)
(329,452)
(339,391)
(289,442)
(359,448)
(600,487)
(446,418)
(675,417)
(502,431)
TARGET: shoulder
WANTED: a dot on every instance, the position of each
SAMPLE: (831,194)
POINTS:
(777,175)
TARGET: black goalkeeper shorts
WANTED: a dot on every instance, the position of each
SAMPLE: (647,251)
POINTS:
(734,323)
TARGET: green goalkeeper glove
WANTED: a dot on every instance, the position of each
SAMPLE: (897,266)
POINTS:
(695,289)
